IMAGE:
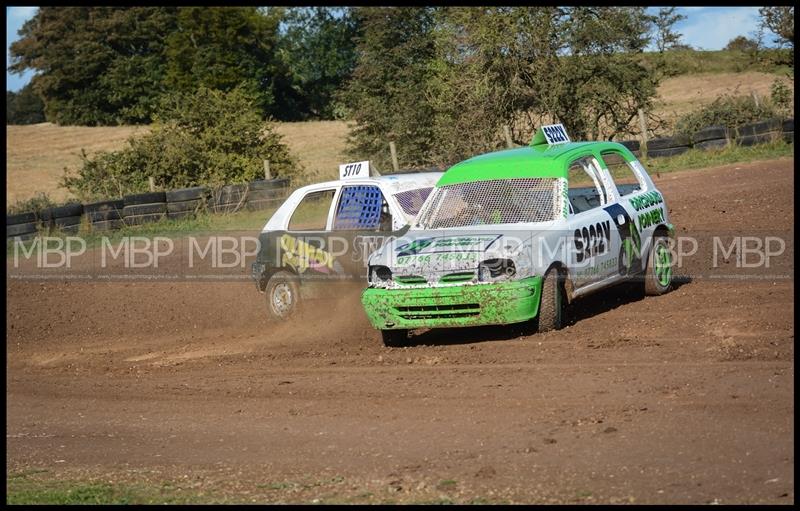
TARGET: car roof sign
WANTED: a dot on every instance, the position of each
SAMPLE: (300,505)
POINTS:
(550,134)
(354,170)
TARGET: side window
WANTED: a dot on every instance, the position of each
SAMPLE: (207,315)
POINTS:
(586,190)
(622,172)
(362,207)
(312,212)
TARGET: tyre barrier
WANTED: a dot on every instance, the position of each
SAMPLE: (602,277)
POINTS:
(710,133)
(667,151)
(22,225)
(718,143)
(187,194)
(139,214)
(145,198)
(228,199)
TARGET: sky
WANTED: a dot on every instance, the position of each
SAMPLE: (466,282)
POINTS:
(706,28)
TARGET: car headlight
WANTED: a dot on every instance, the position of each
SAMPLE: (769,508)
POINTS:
(492,270)
(379,274)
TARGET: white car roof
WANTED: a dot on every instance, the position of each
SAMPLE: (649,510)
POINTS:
(392,183)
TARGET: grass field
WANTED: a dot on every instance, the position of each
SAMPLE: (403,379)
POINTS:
(36,155)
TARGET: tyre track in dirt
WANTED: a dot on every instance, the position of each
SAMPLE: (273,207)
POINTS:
(681,398)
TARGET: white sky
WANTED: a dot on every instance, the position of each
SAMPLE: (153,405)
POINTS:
(706,28)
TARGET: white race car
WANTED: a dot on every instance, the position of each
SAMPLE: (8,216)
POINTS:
(326,231)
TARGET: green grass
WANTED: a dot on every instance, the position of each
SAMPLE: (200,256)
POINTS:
(20,489)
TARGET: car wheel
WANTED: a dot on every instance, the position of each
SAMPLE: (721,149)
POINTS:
(658,276)
(551,307)
(394,338)
(283,296)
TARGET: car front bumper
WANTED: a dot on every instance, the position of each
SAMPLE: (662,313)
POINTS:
(453,306)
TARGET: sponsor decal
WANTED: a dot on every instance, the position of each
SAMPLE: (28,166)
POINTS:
(592,240)
(650,218)
(646,200)
(301,256)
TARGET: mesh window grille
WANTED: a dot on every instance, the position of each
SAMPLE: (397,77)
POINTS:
(497,201)
(359,208)
(412,200)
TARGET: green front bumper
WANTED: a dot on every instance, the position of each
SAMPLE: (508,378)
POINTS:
(453,306)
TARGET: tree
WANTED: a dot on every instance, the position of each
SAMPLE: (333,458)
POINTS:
(665,36)
(386,95)
(223,48)
(95,65)
(318,49)
(742,44)
(779,21)
(24,107)
(204,138)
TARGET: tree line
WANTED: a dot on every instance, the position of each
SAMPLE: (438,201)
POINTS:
(440,82)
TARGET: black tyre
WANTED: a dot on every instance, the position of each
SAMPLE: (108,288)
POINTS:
(145,198)
(394,338)
(759,128)
(282,293)
(188,205)
(658,275)
(551,307)
(710,133)
(667,143)
(68,210)
(632,145)
(706,145)
(277,193)
(788,126)
(144,209)
(187,194)
(103,211)
(672,151)
(750,140)
(271,184)
(20,229)
(789,137)
(21,218)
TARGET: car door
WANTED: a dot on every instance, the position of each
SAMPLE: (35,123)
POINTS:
(305,246)
(595,243)
(639,209)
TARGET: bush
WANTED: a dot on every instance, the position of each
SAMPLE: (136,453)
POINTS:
(207,138)
(39,201)
(729,111)
(24,107)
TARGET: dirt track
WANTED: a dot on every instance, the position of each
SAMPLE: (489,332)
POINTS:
(683,398)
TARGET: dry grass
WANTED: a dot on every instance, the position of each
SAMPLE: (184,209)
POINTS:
(36,155)
(682,94)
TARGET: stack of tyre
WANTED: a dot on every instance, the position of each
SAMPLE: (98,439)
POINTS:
(186,202)
(142,208)
(22,226)
(760,132)
(66,219)
(668,146)
(712,137)
(266,194)
(105,215)
(228,199)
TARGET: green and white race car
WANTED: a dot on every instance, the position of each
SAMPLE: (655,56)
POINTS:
(511,236)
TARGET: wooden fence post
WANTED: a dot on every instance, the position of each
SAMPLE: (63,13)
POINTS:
(755,98)
(266,170)
(507,133)
(152,184)
(643,128)
(393,150)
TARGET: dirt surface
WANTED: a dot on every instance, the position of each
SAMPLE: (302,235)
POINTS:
(681,398)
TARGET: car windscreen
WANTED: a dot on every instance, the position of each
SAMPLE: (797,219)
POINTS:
(498,201)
